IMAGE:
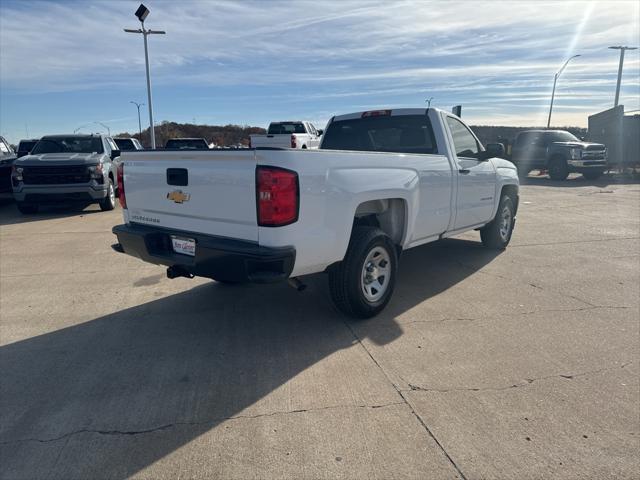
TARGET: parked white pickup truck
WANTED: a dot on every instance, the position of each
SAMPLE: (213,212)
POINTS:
(296,134)
(382,182)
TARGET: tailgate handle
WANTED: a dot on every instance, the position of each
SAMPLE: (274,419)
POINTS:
(178,177)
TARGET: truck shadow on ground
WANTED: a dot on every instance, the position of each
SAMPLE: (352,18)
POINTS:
(113,395)
(9,214)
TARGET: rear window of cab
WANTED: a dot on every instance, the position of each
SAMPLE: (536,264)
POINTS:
(399,134)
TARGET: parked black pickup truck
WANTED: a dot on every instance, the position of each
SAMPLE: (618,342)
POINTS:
(559,152)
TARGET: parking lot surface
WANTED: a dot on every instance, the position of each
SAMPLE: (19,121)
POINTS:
(515,364)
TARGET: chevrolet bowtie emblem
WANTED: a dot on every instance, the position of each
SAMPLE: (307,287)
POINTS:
(178,196)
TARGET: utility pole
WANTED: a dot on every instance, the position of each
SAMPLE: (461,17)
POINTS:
(142,14)
(553,92)
(138,105)
(622,50)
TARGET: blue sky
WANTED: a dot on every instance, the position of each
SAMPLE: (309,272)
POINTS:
(68,63)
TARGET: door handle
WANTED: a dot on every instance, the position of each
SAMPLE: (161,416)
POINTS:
(464,171)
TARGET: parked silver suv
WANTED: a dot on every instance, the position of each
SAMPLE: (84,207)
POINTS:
(67,168)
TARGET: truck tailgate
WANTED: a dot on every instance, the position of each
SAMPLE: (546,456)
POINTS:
(210,192)
(273,141)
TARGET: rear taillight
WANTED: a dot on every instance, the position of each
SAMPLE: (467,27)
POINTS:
(121,195)
(293,141)
(277,196)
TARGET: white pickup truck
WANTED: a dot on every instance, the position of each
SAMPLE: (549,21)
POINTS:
(296,134)
(382,181)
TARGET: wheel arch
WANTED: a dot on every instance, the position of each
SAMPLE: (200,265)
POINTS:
(512,191)
(388,214)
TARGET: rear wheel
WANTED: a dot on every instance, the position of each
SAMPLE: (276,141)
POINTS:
(592,174)
(558,169)
(27,208)
(109,202)
(362,284)
(497,233)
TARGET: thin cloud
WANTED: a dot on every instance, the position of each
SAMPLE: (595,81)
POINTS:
(325,56)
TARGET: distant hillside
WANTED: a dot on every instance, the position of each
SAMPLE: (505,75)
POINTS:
(226,135)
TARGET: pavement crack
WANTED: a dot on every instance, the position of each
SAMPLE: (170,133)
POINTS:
(406,402)
(581,309)
(210,421)
(526,382)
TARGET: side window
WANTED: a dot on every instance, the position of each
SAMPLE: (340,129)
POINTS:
(463,141)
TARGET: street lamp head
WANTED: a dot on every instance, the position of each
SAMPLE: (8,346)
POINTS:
(142,12)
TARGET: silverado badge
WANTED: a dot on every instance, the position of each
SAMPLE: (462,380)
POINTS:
(178,196)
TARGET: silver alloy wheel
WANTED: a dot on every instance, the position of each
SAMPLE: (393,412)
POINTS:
(505,223)
(376,273)
(112,194)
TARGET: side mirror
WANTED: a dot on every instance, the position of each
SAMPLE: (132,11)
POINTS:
(115,154)
(494,150)
(320,132)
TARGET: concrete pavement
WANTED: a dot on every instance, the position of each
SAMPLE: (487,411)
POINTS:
(520,364)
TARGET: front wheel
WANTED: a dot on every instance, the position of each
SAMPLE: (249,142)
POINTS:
(497,233)
(362,284)
(558,169)
(592,174)
(523,172)
(26,208)
(109,202)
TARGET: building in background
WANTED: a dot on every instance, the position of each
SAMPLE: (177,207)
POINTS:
(620,132)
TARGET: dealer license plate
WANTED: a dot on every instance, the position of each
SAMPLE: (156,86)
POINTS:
(185,246)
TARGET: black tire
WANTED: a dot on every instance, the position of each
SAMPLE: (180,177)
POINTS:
(109,202)
(558,169)
(523,172)
(497,233)
(347,282)
(592,174)
(27,208)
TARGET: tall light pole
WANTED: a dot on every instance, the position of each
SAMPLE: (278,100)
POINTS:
(428,101)
(555,80)
(138,105)
(105,126)
(142,13)
(622,50)
(81,127)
